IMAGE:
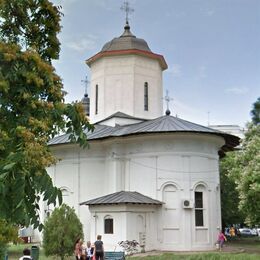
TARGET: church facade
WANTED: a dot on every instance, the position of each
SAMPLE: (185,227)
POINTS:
(146,176)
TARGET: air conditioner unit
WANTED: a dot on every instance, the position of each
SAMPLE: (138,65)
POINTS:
(187,204)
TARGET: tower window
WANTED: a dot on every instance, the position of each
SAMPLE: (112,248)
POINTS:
(199,221)
(96,111)
(108,225)
(145,96)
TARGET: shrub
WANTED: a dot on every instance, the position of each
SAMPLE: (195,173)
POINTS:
(8,233)
(60,232)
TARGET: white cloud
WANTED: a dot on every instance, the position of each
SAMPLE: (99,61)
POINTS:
(202,72)
(179,14)
(210,12)
(55,62)
(88,43)
(207,12)
(65,4)
(175,70)
(103,4)
(186,112)
(237,91)
(193,114)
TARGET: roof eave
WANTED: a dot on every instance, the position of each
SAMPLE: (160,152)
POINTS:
(148,54)
(120,203)
(228,146)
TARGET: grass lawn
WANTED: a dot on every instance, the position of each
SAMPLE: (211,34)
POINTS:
(237,249)
(249,244)
(15,252)
(200,256)
(247,248)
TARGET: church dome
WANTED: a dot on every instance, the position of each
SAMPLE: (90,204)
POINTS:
(127,41)
(127,44)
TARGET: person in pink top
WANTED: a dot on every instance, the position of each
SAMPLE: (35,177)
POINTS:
(221,239)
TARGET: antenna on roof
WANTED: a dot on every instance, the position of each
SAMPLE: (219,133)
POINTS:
(168,99)
(127,9)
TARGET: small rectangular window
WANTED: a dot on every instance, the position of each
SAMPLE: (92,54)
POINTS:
(96,108)
(109,226)
(198,200)
(199,218)
(145,96)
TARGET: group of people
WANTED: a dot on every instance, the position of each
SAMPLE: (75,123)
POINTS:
(89,251)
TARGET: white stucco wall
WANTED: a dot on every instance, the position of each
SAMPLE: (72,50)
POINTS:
(120,81)
(167,167)
(130,223)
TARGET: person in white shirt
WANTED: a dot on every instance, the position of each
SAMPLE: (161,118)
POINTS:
(26,254)
(89,251)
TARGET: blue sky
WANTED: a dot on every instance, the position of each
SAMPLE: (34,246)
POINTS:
(212,48)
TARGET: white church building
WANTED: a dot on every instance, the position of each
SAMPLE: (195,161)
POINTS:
(146,176)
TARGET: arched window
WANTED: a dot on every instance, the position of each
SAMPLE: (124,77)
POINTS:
(96,105)
(145,96)
(140,227)
(108,225)
(64,192)
(171,201)
(169,196)
(199,197)
(66,195)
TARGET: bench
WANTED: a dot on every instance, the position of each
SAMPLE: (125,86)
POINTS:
(114,255)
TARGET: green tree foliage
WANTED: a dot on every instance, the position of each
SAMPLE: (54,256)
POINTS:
(60,232)
(31,24)
(240,177)
(255,112)
(246,171)
(32,108)
(8,233)
(231,214)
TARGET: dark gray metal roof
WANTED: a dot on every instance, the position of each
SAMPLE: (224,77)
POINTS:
(127,41)
(163,124)
(123,197)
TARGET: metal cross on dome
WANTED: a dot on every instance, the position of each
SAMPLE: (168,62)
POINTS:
(86,83)
(167,99)
(127,9)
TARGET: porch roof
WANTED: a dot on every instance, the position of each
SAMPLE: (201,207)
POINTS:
(123,197)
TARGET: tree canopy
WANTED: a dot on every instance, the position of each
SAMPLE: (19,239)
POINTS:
(240,177)
(61,230)
(231,214)
(255,112)
(31,24)
(247,175)
(8,233)
(32,108)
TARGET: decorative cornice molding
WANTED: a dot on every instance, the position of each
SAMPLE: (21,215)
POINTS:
(148,54)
